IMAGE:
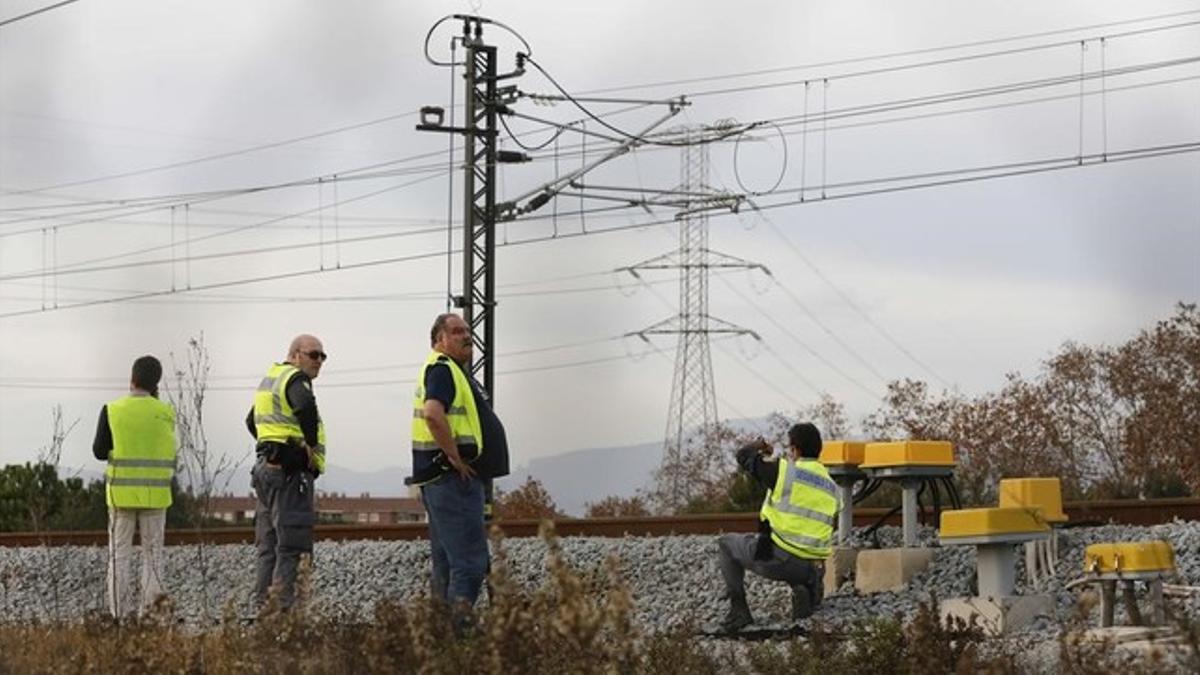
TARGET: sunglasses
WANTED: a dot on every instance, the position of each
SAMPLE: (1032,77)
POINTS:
(316,355)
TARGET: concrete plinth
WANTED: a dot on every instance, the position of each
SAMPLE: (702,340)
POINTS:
(1144,642)
(999,615)
(889,569)
(839,567)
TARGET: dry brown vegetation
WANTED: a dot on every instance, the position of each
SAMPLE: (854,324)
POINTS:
(529,501)
(617,507)
(1110,421)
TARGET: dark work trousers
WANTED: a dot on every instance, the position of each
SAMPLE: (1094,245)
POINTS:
(283,528)
(736,555)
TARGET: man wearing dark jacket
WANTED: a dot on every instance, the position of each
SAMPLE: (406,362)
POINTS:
(458,446)
(290,455)
(795,526)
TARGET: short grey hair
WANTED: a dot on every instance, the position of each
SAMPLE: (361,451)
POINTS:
(439,325)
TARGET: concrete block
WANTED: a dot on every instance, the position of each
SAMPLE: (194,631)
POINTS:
(1000,615)
(889,569)
(839,567)
(1146,642)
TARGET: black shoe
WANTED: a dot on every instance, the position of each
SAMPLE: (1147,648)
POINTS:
(736,620)
(802,604)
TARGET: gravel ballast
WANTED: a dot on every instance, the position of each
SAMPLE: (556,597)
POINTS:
(673,580)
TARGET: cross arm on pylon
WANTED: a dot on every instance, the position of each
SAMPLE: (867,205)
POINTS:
(711,326)
(540,196)
(709,259)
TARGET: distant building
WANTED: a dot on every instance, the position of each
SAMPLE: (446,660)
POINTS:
(332,507)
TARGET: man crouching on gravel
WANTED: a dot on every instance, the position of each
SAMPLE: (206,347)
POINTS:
(795,526)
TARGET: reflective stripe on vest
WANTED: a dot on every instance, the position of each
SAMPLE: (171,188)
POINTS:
(274,419)
(142,462)
(462,415)
(802,508)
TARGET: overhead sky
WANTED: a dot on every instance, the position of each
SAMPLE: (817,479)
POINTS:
(133,136)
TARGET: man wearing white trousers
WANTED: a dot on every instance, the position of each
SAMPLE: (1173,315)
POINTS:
(136,436)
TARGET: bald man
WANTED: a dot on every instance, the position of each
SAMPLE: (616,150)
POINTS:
(291,455)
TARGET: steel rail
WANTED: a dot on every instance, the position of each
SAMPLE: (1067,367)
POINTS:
(1130,512)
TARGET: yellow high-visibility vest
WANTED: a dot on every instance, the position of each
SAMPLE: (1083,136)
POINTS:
(142,461)
(802,508)
(274,419)
(463,416)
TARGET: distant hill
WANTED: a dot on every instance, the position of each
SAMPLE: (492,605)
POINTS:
(385,481)
(576,478)
(572,478)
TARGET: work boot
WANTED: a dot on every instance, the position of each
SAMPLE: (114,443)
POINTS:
(802,602)
(736,620)
(738,616)
(817,591)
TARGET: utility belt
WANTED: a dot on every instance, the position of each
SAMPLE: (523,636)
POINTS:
(439,466)
(290,456)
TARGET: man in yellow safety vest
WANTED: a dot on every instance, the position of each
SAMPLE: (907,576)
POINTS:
(290,455)
(136,436)
(795,526)
(458,446)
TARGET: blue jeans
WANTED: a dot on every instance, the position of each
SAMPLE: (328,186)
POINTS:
(457,539)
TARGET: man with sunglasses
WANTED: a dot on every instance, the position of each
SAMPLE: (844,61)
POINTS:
(290,455)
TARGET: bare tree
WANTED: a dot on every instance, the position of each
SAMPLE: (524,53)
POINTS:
(204,472)
(830,417)
(43,497)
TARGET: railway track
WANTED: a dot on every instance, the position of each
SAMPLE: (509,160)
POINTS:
(1130,512)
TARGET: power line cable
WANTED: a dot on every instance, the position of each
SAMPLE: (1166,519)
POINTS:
(982,92)
(803,345)
(324,384)
(643,139)
(401,115)
(925,64)
(741,362)
(35,12)
(225,233)
(281,248)
(759,376)
(875,108)
(889,55)
(850,303)
(164,201)
(1067,163)
(901,104)
(210,158)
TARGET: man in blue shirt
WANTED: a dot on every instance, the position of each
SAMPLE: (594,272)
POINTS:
(459,446)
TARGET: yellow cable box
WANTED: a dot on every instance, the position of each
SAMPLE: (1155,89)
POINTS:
(838,453)
(908,453)
(991,522)
(1133,556)
(1043,493)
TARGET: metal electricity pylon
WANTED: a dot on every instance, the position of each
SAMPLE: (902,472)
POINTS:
(693,409)
(483,102)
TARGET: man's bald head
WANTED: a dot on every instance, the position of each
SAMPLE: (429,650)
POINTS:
(307,353)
